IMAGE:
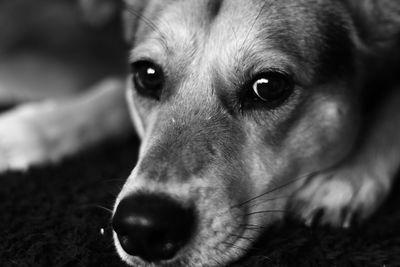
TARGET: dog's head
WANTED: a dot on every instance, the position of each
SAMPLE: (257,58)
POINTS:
(232,100)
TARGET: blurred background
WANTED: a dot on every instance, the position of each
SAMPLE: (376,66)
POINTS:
(53,48)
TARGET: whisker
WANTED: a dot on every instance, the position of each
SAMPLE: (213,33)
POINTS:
(220,253)
(232,245)
(251,239)
(274,189)
(99,207)
(242,248)
(263,201)
(265,211)
(140,16)
(252,226)
(218,261)
(149,23)
(254,22)
(254,229)
(224,211)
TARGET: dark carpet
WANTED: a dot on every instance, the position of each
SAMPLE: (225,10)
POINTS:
(53,216)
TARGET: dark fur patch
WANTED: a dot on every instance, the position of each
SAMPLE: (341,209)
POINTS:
(336,56)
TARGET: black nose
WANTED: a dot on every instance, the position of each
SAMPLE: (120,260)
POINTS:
(152,227)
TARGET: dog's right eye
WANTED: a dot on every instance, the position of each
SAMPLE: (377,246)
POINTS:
(271,88)
(148,78)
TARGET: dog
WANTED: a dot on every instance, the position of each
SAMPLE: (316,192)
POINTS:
(247,111)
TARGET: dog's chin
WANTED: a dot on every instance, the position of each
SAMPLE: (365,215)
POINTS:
(224,251)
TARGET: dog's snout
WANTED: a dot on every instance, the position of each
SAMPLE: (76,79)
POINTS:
(153,227)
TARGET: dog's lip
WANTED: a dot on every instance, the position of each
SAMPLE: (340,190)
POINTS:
(232,232)
(180,256)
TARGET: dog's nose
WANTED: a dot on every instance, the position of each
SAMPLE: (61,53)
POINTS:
(152,227)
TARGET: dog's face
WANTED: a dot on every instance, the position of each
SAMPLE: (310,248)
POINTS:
(232,100)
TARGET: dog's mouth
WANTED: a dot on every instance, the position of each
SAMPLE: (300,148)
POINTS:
(220,248)
(159,231)
(166,233)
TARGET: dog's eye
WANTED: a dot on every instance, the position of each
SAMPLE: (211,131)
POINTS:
(272,87)
(148,78)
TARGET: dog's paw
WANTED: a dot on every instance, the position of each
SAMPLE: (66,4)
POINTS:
(338,198)
(21,143)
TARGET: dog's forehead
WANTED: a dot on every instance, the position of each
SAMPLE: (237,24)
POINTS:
(234,31)
(193,23)
(185,16)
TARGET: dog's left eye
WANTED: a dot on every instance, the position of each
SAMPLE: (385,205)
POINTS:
(272,88)
(148,78)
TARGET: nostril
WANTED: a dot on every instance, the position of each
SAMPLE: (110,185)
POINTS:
(153,227)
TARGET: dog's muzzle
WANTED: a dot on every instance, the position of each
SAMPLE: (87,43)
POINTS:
(153,227)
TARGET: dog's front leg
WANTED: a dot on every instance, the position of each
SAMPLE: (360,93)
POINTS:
(356,187)
(42,132)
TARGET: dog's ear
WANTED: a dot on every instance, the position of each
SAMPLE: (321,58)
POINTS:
(99,12)
(131,14)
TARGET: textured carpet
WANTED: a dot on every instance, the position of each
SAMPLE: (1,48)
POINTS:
(53,216)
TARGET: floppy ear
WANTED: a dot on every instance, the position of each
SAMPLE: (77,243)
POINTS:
(131,14)
(100,12)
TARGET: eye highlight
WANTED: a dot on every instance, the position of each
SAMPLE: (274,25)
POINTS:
(271,88)
(148,78)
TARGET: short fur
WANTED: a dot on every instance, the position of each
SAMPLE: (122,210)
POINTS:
(323,155)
